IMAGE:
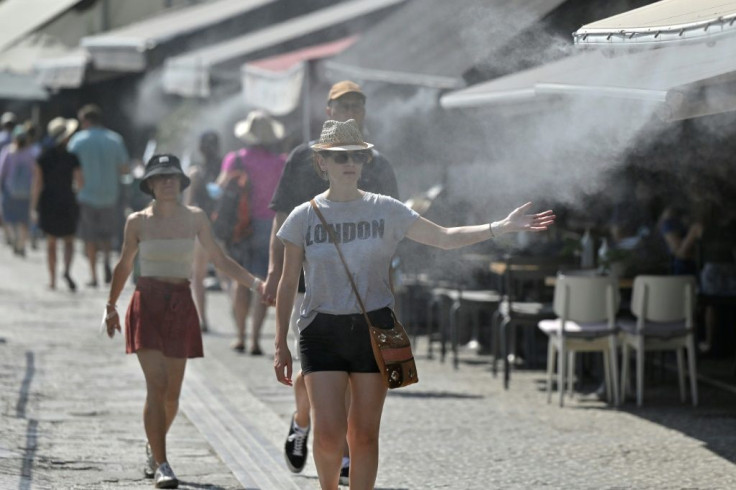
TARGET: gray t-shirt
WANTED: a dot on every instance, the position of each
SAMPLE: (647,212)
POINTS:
(368,229)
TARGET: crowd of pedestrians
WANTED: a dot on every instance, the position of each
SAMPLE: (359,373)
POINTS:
(248,214)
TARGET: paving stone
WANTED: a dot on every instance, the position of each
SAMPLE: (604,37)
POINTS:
(71,414)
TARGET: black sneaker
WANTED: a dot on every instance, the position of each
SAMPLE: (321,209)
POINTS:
(295,448)
(345,475)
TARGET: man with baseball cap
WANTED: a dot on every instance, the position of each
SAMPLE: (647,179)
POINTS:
(299,183)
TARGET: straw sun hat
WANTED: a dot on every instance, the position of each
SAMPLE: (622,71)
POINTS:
(341,136)
(259,128)
(60,129)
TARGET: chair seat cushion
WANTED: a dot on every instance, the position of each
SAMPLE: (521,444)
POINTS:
(451,294)
(575,329)
(650,329)
(481,296)
(530,308)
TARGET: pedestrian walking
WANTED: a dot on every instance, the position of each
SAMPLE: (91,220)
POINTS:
(299,183)
(7,125)
(103,157)
(34,140)
(56,177)
(203,193)
(16,174)
(161,325)
(335,348)
(260,163)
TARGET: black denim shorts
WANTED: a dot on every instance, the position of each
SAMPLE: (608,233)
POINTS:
(341,342)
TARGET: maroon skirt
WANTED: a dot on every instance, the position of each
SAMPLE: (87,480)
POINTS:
(162,316)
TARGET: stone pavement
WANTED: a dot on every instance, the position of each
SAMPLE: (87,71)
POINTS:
(71,403)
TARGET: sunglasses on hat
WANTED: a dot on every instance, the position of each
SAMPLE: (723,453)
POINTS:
(358,157)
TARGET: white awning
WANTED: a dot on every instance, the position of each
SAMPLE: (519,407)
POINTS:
(662,22)
(681,81)
(64,71)
(126,49)
(275,83)
(433,43)
(20,87)
(189,75)
(21,17)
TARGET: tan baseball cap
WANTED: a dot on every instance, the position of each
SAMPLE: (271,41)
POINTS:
(342,88)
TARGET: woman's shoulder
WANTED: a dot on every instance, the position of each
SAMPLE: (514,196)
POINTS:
(301,208)
(195,211)
(138,216)
(134,221)
(380,199)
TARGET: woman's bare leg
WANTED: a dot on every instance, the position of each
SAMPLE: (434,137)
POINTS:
(164,376)
(364,422)
(68,253)
(241,306)
(21,236)
(329,423)
(258,316)
(51,260)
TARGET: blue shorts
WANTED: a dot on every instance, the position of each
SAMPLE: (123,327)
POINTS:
(252,253)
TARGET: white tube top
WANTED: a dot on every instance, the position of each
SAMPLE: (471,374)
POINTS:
(166,257)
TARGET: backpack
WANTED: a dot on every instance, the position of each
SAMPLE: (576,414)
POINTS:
(19,181)
(231,219)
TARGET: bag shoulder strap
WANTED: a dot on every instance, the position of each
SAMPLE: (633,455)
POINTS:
(331,233)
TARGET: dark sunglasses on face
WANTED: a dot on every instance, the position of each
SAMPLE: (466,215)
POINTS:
(358,157)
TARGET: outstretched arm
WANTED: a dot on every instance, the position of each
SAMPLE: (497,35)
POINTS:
(429,233)
(222,261)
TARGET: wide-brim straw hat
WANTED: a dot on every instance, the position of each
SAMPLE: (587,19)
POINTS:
(60,128)
(7,118)
(259,128)
(341,136)
(165,164)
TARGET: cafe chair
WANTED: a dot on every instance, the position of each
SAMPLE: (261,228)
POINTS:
(439,305)
(663,307)
(527,300)
(473,303)
(586,308)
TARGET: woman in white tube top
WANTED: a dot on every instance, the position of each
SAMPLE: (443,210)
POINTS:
(162,326)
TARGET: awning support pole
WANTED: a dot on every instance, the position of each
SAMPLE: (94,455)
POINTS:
(306,112)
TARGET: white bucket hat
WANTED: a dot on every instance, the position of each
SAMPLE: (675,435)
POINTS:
(259,128)
(341,136)
(59,128)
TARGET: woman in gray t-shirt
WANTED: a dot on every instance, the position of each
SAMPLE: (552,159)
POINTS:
(335,348)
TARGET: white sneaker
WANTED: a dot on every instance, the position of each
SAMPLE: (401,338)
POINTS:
(150,468)
(165,477)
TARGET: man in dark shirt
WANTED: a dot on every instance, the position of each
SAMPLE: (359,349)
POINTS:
(300,183)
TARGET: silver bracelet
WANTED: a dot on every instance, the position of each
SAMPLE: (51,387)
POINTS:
(254,286)
(490,228)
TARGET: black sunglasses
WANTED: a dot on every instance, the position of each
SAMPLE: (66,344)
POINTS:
(358,157)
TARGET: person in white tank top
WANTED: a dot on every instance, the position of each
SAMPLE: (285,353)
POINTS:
(370,227)
(162,326)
